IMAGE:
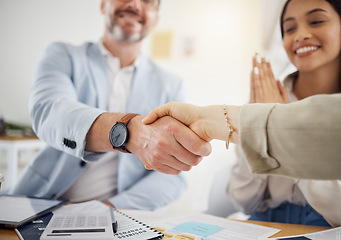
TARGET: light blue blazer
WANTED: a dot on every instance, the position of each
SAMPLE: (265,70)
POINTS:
(70,90)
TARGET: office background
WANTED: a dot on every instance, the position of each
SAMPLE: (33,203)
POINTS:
(208,42)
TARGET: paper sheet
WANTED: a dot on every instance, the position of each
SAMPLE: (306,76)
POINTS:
(90,207)
(207,227)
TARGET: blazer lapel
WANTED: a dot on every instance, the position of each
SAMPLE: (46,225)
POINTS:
(100,76)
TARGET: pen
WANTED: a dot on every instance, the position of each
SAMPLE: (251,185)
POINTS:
(114,222)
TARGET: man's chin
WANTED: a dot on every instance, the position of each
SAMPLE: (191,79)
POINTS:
(131,37)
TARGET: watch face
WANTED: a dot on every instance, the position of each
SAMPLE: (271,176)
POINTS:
(118,135)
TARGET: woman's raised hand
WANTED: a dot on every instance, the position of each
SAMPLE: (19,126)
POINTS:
(208,122)
(264,87)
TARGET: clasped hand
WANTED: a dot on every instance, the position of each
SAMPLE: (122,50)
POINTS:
(166,145)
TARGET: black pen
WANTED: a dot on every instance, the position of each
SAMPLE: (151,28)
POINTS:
(114,222)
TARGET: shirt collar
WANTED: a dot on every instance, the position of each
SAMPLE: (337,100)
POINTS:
(108,56)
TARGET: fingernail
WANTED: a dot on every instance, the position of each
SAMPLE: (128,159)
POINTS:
(147,167)
(266,59)
(258,58)
(256,70)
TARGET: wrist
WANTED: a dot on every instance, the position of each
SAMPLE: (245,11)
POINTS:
(119,134)
(233,116)
(217,126)
(97,137)
(214,122)
(135,128)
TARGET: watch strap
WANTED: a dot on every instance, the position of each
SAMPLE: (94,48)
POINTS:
(125,119)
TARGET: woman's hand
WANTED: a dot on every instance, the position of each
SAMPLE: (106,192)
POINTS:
(190,115)
(207,122)
(264,87)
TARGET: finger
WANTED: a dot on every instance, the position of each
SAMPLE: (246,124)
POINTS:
(258,60)
(166,151)
(165,161)
(167,170)
(283,92)
(258,91)
(265,76)
(146,166)
(271,75)
(252,86)
(191,142)
(262,81)
(162,161)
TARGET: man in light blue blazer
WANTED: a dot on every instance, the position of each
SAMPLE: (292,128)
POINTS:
(79,103)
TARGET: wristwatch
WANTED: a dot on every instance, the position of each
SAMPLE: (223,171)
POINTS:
(119,134)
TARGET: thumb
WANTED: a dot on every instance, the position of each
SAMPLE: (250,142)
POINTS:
(158,112)
(283,92)
(150,118)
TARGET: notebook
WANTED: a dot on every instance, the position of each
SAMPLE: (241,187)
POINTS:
(16,211)
(132,229)
(128,228)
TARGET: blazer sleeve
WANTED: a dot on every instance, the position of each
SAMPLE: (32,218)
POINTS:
(59,117)
(300,139)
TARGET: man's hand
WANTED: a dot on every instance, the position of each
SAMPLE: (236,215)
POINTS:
(166,145)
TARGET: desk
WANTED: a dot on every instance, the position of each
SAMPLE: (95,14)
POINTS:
(13,145)
(287,230)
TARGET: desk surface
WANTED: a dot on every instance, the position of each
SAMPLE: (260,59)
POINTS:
(290,229)
(287,230)
(12,138)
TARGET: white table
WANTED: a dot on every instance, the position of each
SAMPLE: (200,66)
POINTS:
(12,145)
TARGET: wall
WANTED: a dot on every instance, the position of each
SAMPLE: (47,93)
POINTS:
(222,35)
(27,26)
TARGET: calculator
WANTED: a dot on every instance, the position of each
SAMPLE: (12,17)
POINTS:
(79,227)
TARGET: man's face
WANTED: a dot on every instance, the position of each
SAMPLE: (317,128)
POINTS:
(129,20)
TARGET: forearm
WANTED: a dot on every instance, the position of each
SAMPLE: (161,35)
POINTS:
(97,139)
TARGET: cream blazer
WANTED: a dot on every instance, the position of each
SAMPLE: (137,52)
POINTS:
(248,190)
(301,139)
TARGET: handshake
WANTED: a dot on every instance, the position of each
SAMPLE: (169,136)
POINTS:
(189,129)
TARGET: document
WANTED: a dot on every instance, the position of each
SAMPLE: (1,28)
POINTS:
(205,227)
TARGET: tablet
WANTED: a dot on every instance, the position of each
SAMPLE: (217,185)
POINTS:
(18,210)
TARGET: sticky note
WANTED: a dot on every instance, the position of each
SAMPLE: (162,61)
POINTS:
(197,228)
